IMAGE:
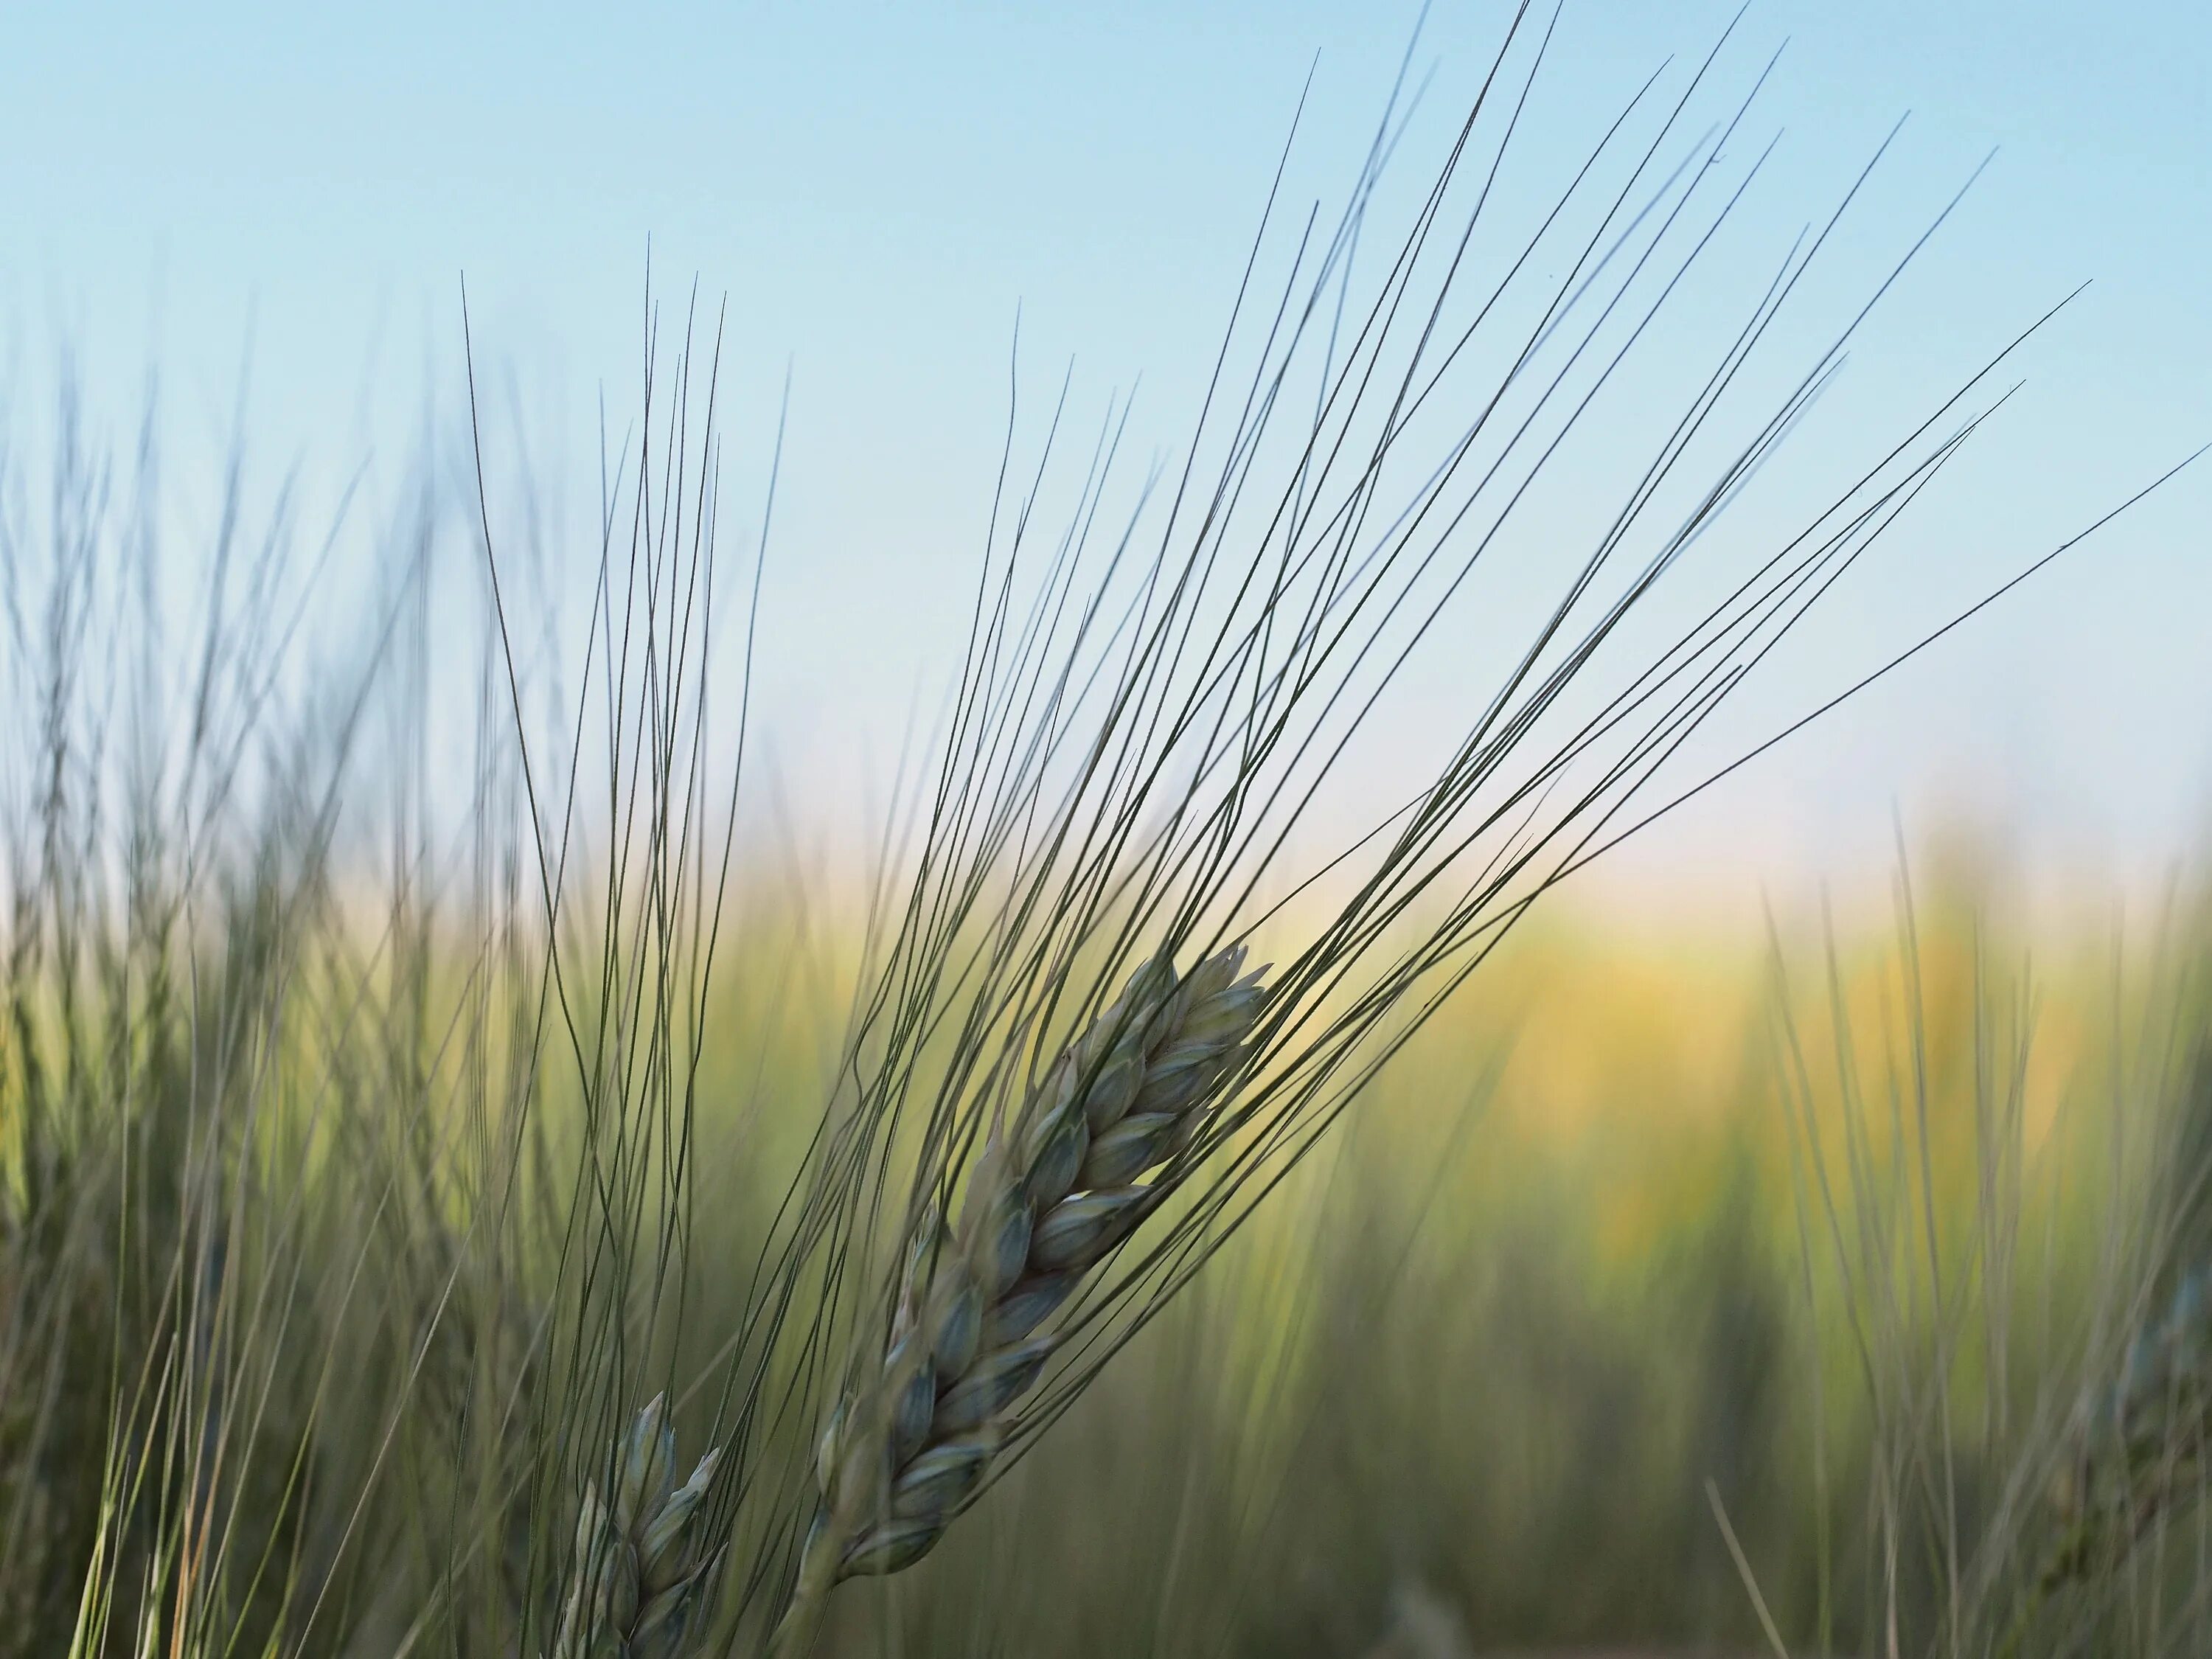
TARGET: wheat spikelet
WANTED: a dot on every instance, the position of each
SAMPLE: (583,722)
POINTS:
(641,1564)
(1050,1197)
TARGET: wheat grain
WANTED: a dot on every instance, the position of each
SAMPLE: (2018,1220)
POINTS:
(1050,1197)
(642,1566)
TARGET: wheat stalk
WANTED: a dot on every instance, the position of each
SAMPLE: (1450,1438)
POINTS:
(912,1440)
(641,1564)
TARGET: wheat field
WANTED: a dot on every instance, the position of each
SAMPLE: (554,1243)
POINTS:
(484,1173)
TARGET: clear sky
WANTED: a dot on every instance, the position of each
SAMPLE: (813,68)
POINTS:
(878,188)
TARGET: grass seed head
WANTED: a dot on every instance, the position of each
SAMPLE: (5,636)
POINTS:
(1049,1197)
(642,1564)
(2139,1439)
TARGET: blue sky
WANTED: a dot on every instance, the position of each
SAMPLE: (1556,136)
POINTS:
(878,188)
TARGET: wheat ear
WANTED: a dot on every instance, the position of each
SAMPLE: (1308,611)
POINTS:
(641,1565)
(909,1446)
(2138,1450)
(2139,1439)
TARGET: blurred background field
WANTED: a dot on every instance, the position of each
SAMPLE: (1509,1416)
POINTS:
(1663,1287)
(1572,1285)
